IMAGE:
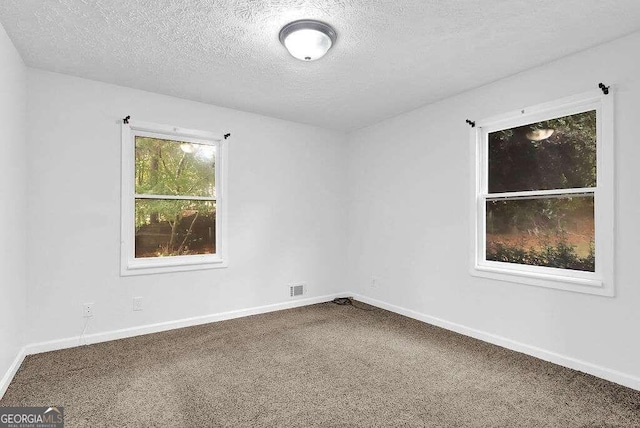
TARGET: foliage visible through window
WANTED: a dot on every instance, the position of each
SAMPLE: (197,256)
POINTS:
(175,206)
(538,227)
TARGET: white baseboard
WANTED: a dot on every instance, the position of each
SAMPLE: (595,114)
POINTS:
(88,339)
(71,342)
(13,369)
(553,357)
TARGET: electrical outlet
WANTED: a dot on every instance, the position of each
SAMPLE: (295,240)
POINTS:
(137,303)
(374,282)
(87,310)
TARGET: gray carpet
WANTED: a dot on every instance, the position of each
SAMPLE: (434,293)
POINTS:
(321,365)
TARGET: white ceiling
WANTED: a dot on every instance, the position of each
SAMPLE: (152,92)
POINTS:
(391,55)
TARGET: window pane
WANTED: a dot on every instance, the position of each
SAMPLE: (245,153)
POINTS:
(553,232)
(553,154)
(167,167)
(174,227)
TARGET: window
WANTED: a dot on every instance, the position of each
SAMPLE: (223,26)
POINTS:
(173,212)
(543,195)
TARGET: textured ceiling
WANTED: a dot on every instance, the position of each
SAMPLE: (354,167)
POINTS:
(391,55)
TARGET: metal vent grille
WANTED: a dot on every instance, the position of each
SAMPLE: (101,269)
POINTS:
(296,290)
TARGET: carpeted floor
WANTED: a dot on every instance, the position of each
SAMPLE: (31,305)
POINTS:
(321,365)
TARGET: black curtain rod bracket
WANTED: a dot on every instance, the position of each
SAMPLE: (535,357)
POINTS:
(605,89)
(126,119)
(227,136)
(471,122)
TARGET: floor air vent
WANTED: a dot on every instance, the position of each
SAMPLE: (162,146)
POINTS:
(296,290)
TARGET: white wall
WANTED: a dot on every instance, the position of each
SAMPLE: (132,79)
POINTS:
(409,220)
(13,207)
(285,204)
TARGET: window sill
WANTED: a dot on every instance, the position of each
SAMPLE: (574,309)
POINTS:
(558,282)
(171,264)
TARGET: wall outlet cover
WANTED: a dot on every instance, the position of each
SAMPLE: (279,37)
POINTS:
(137,303)
(87,310)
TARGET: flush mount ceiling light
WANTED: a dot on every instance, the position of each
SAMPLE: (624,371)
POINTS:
(307,39)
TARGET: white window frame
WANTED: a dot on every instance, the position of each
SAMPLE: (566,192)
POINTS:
(600,282)
(129,264)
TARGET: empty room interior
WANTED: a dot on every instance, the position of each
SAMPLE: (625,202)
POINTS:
(319,213)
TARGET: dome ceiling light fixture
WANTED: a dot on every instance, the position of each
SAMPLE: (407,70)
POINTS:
(307,39)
